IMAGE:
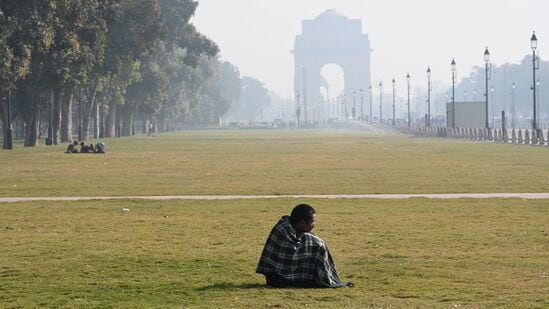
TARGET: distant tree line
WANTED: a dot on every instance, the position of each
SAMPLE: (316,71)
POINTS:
(255,98)
(94,67)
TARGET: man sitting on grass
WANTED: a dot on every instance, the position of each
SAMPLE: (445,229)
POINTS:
(293,257)
(72,147)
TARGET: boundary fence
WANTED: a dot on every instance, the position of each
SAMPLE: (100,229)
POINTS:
(510,136)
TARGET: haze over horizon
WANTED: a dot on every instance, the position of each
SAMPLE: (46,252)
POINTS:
(258,36)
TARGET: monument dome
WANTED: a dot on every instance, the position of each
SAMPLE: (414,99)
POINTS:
(331,14)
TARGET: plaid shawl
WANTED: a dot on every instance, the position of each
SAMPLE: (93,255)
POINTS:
(302,258)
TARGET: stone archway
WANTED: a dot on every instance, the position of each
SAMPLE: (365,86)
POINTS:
(330,38)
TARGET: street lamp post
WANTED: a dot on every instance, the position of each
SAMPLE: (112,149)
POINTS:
(353,110)
(535,66)
(513,108)
(453,65)
(297,110)
(538,92)
(408,104)
(493,97)
(361,104)
(305,95)
(371,101)
(428,97)
(341,111)
(345,106)
(333,107)
(394,96)
(380,102)
(337,107)
(487,73)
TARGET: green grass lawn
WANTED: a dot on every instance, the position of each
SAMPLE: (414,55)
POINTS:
(408,253)
(411,253)
(275,163)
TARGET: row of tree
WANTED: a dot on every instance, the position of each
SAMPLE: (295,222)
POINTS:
(102,62)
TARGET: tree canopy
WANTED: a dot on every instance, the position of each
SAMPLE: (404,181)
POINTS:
(93,66)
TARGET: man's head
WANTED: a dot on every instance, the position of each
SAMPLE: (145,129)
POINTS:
(303,218)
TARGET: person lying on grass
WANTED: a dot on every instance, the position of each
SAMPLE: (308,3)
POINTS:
(294,257)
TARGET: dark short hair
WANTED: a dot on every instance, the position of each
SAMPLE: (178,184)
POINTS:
(302,212)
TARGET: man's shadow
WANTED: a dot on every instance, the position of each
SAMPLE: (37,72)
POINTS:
(245,286)
(232,286)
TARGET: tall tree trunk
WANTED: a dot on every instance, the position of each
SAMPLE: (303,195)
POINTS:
(88,106)
(31,129)
(5,134)
(127,122)
(102,115)
(66,116)
(4,117)
(116,110)
(145,125)
(110,123)
(56,118)
(95,116)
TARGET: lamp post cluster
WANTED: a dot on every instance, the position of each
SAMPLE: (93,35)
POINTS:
(535,85)
(488,68)
(342,109)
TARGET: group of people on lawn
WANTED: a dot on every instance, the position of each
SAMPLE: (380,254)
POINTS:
(84,148)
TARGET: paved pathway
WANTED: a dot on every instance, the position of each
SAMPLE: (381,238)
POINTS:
(240,197)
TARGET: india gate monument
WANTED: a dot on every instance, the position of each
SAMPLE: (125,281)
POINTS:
(331,38)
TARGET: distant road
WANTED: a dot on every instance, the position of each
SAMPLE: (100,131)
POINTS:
(247,197)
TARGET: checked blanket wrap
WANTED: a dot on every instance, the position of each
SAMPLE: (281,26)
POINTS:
(302,258)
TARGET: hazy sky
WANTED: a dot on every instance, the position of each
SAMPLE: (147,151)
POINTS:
(406,35)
